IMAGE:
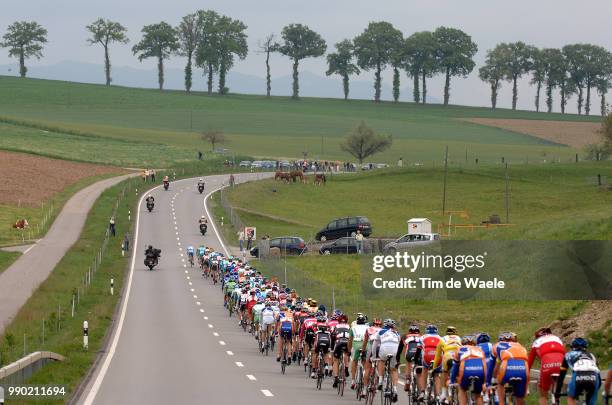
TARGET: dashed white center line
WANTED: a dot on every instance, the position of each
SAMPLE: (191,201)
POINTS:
(188,278)
(192,290)
(239,364)
(194,296)
(267,393)
(177,238)
(210,325)
(229,353)
(190,283)
(198,303)
(251,377)
(215,334)
(205,318)
(221,342)
(186,272)
(201,310)
(179,243)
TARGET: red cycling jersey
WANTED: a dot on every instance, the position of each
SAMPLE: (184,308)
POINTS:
(430,343)
(549,349)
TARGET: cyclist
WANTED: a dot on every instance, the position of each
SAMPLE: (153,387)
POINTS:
(511,367)
(412,348)
(201,254)
(322,344)
(445,350)
(267,321)
(549,349)
(366,350)
(469,365)
(190,253)
(285,329)
(483,340)
(340,337)
(430,339)
(257,309)
(386,345)
(308,332)
(356,336)
(585,374)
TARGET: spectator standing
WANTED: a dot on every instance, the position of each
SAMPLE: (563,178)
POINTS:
(126,242)
(249,241)
(153,175)
(359,240)
(241,239)
(111,226)
(400,162)
(199,155)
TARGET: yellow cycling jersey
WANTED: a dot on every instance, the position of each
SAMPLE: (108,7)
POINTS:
(446,347)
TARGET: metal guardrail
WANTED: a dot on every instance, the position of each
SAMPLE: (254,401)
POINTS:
(19,371)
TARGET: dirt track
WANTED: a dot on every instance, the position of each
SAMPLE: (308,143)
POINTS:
(575,134)
(29,179)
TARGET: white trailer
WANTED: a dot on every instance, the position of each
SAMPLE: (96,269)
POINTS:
(419,226)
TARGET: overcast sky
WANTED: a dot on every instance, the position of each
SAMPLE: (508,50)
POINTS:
(544,23)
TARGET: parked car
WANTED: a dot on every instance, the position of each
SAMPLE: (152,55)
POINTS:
(256,164)
(245,163)
(381,165)
(283,164)
(410,240)
(345,227)
(291,245)
(346,245)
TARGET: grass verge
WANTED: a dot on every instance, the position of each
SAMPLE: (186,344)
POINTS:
(7,258)
(50,304)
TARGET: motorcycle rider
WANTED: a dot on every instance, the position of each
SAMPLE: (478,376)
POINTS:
(203,222)
(150,199)
(201,183)
(152,253)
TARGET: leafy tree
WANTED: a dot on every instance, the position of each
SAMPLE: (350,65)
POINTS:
(375,48)
(539,70)
(300,42)
(576,58)
(454,52)
(159,41)
(363,142)
(603,82)
(188,32)
(232,41)
(214,136)
(105,32)
(595,66)
(420,58)
(24,40)
(517,61)
(267,47)
(493,73)
(398,61)
(207,55)
(341,63)
(554,73)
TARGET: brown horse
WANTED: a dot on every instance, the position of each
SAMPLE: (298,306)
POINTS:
(21,224)
(284,176)
(319,179)
(295,174)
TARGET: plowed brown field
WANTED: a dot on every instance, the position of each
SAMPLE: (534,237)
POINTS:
(575,134)
(29,179)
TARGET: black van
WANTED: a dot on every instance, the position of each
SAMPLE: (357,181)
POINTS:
(341,227)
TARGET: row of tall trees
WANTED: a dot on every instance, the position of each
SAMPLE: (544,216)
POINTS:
(575,69)
(213,42)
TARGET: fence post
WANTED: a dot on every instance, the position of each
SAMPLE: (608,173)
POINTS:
(85,335)
(112,286)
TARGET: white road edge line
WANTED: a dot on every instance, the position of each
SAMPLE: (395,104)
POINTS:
(251,377)
(111,352)
(267,393)
(28,249)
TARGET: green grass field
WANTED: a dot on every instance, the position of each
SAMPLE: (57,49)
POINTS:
(101,123)
(7,258)
(559,201)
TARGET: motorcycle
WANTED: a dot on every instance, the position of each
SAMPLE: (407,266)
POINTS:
(150,206)
(201,188)
(203,229)
(166,185)
(150,262)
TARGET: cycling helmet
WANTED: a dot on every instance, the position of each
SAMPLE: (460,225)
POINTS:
(342,318)
(287,290)
(468,340)
(322,308)
(313,303)
(389,323)
(507,337)
(483,338)
(361,319)
(377,322)
(432,329)
(451,330)
(202,217)
(544,330)
(414,329)
(268,305)
(579,344)
(337,312)
(321,319)
(201,180)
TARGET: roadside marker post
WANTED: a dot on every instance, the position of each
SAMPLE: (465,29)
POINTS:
(85,335)
(112,286)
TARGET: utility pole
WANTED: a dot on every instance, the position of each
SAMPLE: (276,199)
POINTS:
(507,197)
(445,175)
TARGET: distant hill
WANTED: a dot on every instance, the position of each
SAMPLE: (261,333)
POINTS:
(311,85)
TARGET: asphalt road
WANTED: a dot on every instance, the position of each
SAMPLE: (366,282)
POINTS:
(38,261)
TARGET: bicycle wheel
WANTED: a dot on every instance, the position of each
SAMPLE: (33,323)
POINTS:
(284,360)
(359,382)
(342,382)
(320,372)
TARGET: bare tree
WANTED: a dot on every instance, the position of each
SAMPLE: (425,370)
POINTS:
(363,142)
(214,136)
(267,46)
